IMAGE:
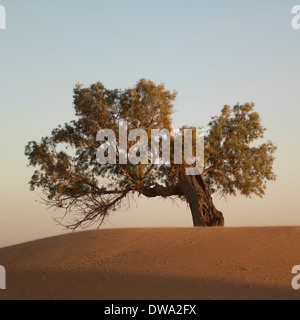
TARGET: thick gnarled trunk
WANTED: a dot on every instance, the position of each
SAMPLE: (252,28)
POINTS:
(199,198)
(197,195)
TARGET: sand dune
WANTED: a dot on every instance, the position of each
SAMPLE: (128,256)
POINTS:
(188,263)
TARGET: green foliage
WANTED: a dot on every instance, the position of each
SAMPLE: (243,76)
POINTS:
(233,162)
(71,178)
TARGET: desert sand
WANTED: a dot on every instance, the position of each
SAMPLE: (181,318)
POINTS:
(156,264)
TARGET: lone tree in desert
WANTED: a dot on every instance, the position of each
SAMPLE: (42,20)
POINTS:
(69,175)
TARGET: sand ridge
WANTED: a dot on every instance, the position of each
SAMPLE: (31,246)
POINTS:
(155,264)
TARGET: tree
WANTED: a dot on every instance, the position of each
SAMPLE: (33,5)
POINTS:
(69,175)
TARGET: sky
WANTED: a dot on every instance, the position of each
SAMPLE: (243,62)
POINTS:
(212,52)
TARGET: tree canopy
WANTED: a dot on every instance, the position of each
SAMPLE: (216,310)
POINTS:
(69,175)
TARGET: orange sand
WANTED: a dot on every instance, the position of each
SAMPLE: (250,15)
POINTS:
(158,263)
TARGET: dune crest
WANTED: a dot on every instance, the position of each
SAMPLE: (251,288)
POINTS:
(155,263)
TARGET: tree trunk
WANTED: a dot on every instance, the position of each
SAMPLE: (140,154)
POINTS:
(199,198)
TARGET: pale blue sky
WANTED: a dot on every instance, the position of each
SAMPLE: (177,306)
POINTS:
(212,52)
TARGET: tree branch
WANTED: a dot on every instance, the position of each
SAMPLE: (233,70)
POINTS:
(161,191)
